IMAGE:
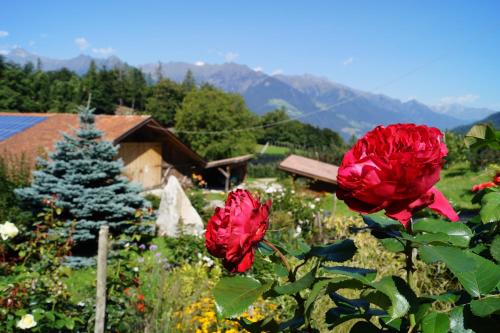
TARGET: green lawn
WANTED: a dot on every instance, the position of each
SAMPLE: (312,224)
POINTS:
(273,150)
(456,183)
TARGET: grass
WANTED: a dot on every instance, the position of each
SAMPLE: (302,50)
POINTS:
(273,150)
(456,183)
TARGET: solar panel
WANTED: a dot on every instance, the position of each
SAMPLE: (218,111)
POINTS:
(11,125)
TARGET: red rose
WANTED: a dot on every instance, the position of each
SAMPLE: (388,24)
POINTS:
(234,231)
(395,168)
(495,182)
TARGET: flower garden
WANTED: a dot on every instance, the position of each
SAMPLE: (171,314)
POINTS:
(409,248)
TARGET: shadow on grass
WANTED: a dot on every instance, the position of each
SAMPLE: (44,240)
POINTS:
(456,173)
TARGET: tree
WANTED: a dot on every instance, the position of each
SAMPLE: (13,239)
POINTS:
(84,179)
(99,85)
(206,120)
(166,98)
(189,83)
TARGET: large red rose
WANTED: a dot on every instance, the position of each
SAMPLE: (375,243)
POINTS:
(233,231)
(395,168)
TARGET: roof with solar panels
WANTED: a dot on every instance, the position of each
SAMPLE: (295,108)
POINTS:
(35,134)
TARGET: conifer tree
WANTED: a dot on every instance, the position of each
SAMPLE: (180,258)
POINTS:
(83,177)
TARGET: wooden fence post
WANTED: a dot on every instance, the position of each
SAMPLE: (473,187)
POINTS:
(334,209)
(102,257)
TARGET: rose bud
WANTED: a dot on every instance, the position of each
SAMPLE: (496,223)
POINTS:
(394,168)
(234,230)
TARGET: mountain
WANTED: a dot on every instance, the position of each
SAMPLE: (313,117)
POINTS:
(493,119)
(79,64)
(463,112)
(311,99)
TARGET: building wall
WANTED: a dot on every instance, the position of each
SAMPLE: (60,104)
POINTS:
(143,162)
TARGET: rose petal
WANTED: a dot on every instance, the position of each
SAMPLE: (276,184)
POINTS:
(442,206)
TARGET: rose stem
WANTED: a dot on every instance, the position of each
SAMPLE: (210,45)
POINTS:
(280,254)
(409,271)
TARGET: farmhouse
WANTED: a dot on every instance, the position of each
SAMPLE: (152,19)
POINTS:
(323,175)
(150,152)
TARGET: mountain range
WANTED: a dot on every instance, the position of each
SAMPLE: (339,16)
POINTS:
(309,98)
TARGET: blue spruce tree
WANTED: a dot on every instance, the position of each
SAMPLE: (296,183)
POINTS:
(84,178)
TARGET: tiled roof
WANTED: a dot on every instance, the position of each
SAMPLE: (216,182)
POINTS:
(307,167)
(42,136)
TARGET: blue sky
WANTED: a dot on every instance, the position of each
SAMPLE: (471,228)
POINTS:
(434,51)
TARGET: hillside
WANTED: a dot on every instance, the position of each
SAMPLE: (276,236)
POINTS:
(493,119)
(311,99)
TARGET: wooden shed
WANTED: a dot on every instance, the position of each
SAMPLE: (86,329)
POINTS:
(323,175)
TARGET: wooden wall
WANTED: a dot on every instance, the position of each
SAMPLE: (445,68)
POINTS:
(143,162)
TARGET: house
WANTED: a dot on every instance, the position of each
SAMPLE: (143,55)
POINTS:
(150,152)
(323,175)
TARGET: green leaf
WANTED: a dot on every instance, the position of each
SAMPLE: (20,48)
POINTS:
(399,304)
(480,280)
(393,244)
(457,233)
(380,222)
(454,258)
(364,327)
(486,306)
(361,274)
(339,251)
(495,248)
(435,322)
(448,297)
(316,290)
(490,211)
(297,249)
(233,295)
(280,270)
(457,321)
(291,288)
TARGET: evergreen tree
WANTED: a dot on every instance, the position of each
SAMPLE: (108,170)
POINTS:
(84,179)
(189,83)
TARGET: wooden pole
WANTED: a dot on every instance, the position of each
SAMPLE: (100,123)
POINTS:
(102,256)
(228,179)
(334,209)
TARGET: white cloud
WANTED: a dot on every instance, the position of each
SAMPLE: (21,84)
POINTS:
(258,69)
(231,56)
(199,63)
(463,99)
(277,72)
(4,52)
(82,43)
(31,43)
(3,33)
(104,51)
(348,61)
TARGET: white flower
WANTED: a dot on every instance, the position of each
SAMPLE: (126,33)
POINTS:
(312,206)
(27,321)
(82,304)
(208,261)
(8,230)
(298,230)
(270,190)
(317,199)
(135,269)
(293,192)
